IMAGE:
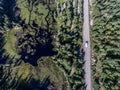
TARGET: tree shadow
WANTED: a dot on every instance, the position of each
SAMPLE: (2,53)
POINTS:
(3,57)
(9,80)
(40,85)
(30,83)
(9,13)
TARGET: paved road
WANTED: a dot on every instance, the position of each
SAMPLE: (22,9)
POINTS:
(86,37)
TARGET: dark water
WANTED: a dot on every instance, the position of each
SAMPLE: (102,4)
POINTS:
(41,50)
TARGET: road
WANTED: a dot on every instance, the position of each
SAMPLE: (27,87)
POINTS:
(86,37)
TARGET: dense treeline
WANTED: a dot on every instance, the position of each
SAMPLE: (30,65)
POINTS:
(68,41)
(106,44)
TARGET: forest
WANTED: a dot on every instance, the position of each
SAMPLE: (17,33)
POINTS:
(40,43)
(105,37)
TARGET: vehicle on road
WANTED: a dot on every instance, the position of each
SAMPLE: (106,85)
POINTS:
(86,43)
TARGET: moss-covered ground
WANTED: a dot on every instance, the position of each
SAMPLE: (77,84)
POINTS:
(10,42)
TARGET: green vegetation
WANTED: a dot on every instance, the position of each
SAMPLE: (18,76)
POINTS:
(10,42)
(38,11)
(106,43)
(40,44)
(68,44)
(65,26)
(46,68)
(23,70)
(49,29)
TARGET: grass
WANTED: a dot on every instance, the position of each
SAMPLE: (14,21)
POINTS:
(25,13)
(10,42)
(46,68)
(24,70)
